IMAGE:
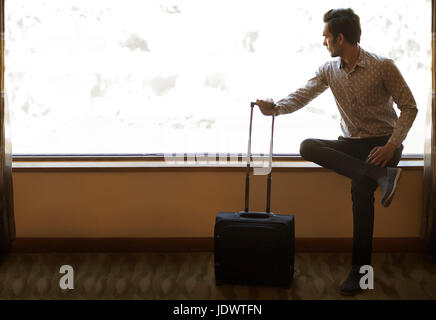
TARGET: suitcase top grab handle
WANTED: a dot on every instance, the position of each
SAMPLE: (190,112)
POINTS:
(247,177)
(257,215)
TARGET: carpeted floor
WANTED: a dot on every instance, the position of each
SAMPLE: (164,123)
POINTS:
(191,276)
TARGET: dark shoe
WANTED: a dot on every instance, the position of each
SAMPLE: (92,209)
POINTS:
(351,285)
(388,185)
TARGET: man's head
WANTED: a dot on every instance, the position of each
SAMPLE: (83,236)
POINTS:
(342,27)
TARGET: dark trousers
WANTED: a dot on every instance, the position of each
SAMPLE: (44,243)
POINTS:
(347,157)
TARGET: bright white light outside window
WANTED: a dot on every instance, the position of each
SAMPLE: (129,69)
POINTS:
(140,77)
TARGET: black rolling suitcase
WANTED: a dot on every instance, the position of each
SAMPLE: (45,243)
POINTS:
(254,248)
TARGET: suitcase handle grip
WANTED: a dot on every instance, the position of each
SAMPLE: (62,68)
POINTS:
(247,177)
(262,215)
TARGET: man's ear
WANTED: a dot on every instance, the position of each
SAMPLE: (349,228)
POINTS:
(340,38)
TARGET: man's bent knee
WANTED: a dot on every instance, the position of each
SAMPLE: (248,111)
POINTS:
(306,148)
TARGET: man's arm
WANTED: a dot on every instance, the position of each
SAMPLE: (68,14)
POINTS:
(402,96)
(301,97)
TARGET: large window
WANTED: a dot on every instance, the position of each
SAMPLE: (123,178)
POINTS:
(140,77)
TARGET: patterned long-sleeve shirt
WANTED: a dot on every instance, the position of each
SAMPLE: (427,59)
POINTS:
(364,97)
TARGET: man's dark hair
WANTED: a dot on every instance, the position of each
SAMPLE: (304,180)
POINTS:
(343,21)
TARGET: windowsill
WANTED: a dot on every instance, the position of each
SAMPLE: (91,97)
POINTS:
(105,164)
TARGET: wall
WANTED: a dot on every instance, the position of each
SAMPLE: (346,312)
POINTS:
(183,202)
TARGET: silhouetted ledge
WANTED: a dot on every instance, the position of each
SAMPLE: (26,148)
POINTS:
(162,165)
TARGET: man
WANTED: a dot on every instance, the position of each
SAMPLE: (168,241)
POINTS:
(365,86)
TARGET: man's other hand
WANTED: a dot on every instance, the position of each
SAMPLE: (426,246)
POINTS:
(381,155)
(267,107)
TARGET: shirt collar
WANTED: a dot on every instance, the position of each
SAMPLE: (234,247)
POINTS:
(361,62)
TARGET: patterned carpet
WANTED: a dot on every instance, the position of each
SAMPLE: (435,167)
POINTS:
(191,276)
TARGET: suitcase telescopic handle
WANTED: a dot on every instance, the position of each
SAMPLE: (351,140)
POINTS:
(247,176)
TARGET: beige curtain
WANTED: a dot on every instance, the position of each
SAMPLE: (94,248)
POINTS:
(7,223)
(429,218)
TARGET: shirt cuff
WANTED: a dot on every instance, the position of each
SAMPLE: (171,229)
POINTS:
(395,141)
(279,110)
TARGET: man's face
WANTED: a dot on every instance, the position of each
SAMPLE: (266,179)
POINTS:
(332,45)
